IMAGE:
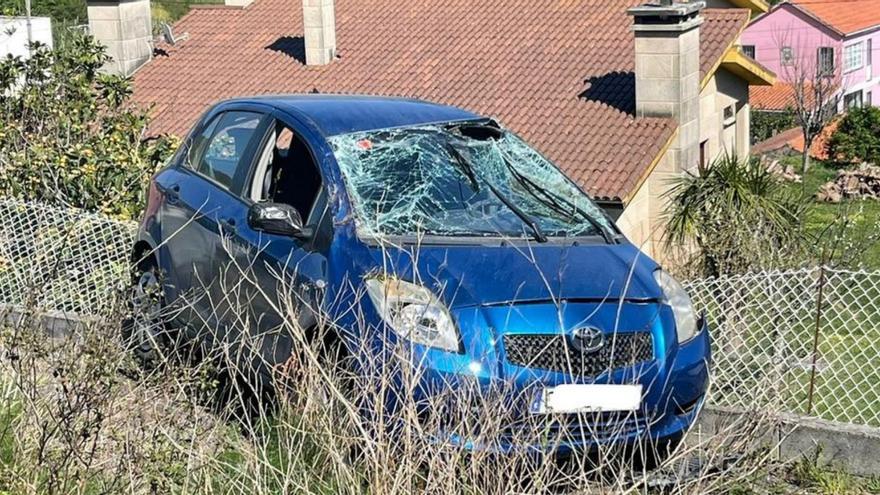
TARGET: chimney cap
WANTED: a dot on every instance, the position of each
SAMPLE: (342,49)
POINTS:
(665,15)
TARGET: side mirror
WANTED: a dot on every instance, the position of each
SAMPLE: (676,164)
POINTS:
(277,218)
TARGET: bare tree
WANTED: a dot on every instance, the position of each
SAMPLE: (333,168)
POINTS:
(813,75)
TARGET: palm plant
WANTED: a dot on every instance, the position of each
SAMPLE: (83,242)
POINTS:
(734,215)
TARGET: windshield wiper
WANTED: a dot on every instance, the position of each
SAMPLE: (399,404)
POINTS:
(472,177)
(554,201)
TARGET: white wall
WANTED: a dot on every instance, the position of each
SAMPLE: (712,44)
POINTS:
(13,34)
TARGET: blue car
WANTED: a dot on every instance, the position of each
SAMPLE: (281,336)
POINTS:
(410,223)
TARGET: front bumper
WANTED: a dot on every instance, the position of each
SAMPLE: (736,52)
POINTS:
(674,386)
(683,396)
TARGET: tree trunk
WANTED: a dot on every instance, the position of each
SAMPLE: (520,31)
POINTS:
(805,164)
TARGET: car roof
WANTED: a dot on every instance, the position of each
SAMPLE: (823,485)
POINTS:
(343,114)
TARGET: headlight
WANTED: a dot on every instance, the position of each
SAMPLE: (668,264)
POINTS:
(676,298)
(414,313)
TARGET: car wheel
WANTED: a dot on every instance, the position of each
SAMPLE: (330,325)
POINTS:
(144,332)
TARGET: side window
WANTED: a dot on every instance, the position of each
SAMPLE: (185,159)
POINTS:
(287,173)
(220,149)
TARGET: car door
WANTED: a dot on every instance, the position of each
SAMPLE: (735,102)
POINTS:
(195,194)
(280,277)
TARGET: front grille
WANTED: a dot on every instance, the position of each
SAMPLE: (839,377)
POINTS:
(554,352)
(597,427)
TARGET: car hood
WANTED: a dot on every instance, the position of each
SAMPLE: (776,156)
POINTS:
(490,275)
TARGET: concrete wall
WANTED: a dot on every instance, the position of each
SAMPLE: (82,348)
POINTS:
(853,448)
(125,27)
(13,34)
(667,68)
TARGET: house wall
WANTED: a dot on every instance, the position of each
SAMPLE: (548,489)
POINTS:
(717,133)
(866,78)
(13,34)
(642,219)
(788,26)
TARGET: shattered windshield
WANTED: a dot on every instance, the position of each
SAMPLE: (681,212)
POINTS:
(460,180)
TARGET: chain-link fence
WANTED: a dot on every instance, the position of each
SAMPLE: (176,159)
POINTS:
(58,259)
(804,341)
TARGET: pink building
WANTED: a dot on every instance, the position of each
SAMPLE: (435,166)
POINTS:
(835,37)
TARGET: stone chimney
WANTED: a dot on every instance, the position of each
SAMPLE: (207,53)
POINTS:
(125,27)
(667,51)
(319,25)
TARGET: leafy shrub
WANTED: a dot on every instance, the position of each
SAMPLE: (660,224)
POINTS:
(69,135)
(733,216)
(765,125)
(857,138)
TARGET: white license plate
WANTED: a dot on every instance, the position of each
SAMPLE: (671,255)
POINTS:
(575,398)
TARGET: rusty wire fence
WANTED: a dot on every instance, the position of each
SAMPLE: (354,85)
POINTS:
(804,341)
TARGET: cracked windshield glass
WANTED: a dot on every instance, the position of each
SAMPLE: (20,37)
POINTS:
(460,180)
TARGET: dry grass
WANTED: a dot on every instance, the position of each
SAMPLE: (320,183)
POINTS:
(80,415)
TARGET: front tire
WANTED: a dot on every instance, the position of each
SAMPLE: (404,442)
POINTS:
(144,331)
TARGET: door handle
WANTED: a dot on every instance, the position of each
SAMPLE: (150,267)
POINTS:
(228,224)
(172,193)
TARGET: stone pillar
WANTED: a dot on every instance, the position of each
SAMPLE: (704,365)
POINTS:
(667,72)
(319,27)
(125,27)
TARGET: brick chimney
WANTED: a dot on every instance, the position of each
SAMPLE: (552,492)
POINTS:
(667,51)
(319,26)
(125,27)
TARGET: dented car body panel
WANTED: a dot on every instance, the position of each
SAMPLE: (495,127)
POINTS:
(485,234)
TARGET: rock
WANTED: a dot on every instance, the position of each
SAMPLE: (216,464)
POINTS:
(858,183)
(784,172)
(829,193)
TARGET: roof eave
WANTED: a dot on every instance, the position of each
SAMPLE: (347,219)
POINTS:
(754,73)
(756,6)
(730,46)
(647,173)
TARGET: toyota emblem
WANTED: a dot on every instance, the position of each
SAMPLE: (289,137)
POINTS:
(587,339)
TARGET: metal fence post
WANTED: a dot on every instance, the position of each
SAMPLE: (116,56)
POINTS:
(819,301)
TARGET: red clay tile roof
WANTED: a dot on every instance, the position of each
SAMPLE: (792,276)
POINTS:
(776,97)
(782,140)
(560,73)
(844,16)
(794,139)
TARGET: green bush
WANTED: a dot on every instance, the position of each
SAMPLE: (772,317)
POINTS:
(733,216)
(765,125)
(857,138)
(69,134)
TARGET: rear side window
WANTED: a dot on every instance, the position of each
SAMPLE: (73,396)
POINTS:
(221,148)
